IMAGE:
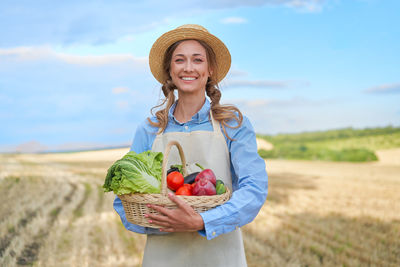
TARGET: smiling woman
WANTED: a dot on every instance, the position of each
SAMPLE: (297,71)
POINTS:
(192,61)
(189,68)
(203,46)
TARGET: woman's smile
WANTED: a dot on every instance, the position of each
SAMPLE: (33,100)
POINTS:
(188,78)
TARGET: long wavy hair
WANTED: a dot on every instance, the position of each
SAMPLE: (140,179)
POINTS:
(221,113)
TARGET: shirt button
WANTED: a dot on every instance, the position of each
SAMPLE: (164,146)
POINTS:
(186,127)
(213,233)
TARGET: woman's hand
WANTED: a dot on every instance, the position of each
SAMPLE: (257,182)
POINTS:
(182,219)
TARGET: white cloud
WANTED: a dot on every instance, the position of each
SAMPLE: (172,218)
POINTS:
(27,53)
(36,53)
(61,22)
(295,102)
(256,83)
(299,114)
(238,78)
(101,60)
(233,20)
(266,84)
(305,5)
(237,73)
(302,5)
(270,115)
(120,90)
(385,88)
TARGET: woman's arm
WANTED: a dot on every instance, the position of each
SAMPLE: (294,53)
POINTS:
(250,185)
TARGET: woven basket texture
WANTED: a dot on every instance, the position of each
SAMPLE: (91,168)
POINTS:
(135,205)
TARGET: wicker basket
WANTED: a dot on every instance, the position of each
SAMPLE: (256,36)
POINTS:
(135,205)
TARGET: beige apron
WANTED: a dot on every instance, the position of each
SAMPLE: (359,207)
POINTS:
(190,248)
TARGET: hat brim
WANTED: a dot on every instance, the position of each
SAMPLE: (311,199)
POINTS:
(160,46)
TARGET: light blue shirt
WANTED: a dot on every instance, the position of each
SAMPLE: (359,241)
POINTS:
(249,177)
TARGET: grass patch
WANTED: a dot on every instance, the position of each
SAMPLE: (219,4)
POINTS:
(8,182)
(11,229)
(54,212)
(97,235)
(100,195)
(348,144)
(317,252)
(307,153)
(129,238)
(78,212)
(65,243)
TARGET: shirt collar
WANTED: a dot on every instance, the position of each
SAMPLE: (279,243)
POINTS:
(201,116)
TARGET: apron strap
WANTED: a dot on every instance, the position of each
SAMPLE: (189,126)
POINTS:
(215,124)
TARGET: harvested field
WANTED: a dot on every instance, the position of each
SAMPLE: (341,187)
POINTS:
(54,213)
(327,214)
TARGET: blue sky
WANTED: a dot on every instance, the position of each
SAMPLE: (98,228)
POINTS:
(75,74)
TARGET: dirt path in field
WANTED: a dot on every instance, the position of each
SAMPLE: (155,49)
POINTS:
(263,144)
(389,156)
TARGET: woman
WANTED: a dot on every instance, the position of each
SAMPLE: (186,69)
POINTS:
(192,61)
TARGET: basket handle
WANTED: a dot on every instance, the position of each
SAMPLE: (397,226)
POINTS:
(165,164)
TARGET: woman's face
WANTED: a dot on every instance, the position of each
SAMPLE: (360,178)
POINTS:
(189,67)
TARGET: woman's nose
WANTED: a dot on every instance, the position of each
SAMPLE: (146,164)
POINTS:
(188,66)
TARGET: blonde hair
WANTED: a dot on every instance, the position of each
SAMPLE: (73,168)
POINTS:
(221,113)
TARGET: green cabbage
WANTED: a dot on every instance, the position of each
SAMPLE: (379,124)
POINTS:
(135,173)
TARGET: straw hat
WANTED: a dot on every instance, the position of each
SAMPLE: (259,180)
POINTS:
(184,32)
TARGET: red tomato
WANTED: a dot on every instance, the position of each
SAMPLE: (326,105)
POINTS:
(184,190)
(189,186)
(175,180)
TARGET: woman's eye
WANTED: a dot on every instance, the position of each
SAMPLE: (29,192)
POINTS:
(179,60)
(198,60)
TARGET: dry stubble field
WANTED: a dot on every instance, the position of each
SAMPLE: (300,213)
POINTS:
(54,213)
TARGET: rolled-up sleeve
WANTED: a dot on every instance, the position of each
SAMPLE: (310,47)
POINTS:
(250,185)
